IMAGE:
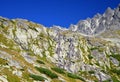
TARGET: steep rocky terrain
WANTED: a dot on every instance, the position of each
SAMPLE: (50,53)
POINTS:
(86,52)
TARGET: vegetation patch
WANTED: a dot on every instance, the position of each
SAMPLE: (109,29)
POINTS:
(91,72)
(37,77)
(90,56)
(74,76)
(115,79)
(116,71)
(1,26)
(10,77)
(33,28)
(47,72)
(101,49)
(97,63)
(3,61)
(59,70)
(26,74)
(7,42)
(56,80)
(40,62)
(116,56)
(93,48)
(107,80)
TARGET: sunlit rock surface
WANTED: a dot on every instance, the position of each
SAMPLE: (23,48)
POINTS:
(90,49)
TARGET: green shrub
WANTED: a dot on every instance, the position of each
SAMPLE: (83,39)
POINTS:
(93,48)
(97,63)
(91,72)
(33,28)
(37,78)
(107,80)
(115,79)
(116,56)
(116,71)
(47,72)
(90,57)
(74,76)
(41,62)
(1,26)
(95,81)
(59,70)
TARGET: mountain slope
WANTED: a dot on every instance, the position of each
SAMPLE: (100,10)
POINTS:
(88,51)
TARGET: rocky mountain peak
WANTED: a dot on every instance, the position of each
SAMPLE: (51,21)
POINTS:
(86,52)
(99,23)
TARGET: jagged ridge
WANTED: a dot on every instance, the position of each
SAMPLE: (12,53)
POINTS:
(96,58)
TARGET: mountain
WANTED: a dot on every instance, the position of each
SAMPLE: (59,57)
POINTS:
(99,23)
(86,52)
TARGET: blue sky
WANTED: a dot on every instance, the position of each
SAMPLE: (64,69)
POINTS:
(54,12)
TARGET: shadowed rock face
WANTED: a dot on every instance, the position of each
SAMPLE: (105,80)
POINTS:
(77,49)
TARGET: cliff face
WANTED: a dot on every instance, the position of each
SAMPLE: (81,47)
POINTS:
(87,51)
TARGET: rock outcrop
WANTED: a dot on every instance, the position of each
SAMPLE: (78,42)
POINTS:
(88,51)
